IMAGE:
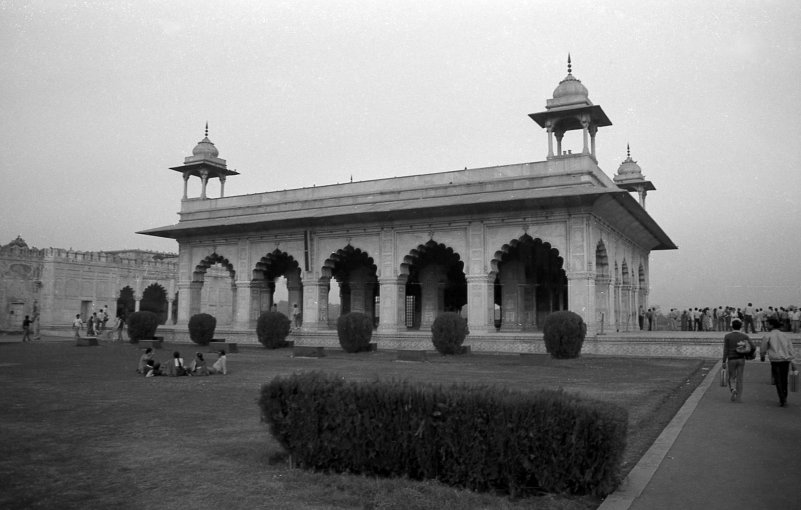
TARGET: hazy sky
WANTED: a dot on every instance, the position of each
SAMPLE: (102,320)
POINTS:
(99,99)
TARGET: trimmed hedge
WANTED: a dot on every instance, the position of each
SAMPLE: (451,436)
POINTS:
(272,328)
(201,328)
(482,439)
(564,334)
(142,325)
(448,333)
(355,330)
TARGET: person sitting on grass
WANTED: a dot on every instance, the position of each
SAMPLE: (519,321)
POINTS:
(177,367)
(152,368)
(220,366)
(199,365)
(148,355)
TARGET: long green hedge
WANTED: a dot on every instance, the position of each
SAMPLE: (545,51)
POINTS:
(480,438)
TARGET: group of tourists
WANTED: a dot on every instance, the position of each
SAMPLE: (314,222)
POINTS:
(96,324)
(175,367)
(753,319)
(775,345)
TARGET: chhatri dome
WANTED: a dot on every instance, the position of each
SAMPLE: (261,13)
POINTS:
(630,178)
(628,169)
(569,92)
(205,148)
(19,242)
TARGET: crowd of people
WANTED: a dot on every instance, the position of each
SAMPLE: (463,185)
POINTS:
(149,366)
(97,323)
(753,319)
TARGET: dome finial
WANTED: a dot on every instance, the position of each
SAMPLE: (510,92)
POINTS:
(628,150)
(568,64)
(207,129)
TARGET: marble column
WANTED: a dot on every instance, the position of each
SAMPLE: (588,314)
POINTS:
(479,304)
(393,295)
(242,298)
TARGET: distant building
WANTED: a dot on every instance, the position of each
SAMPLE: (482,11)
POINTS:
(504,246)
(54,284)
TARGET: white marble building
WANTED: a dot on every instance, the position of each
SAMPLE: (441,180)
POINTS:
(504,246)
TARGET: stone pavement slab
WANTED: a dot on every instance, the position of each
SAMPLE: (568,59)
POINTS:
(724,455)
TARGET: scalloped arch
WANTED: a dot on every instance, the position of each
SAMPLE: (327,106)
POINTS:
(210,260)
(414,255)
(513,245)
(275,264)
(344,254)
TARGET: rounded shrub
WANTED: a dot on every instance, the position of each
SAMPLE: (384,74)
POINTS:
(448,333)
(355,330)
(142,325)
(201,328)
(272,328)
(564,334)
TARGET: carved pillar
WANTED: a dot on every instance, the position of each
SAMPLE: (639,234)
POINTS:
(602,317)
(184,302)
(242,305)
(559,135)
(432,294)
(170,301)
(137,301)
(626,310)
(393,294)
(585,125)
(222,186)
(479,304)
(204,179)
(512,277)
(195,288)
(593,132)
(581,297)
(549,130)
(186,184)
(315,306)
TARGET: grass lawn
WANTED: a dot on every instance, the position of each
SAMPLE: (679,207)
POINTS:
(81,430)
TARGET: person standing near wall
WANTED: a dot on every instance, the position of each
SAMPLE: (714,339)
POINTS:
(296,315)
(77,324)
(26,329)
(119,326)
(779,349)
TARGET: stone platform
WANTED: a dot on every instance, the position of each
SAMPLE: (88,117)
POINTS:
(667,344)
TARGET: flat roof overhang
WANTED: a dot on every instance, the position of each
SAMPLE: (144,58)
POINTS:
(616,206)
(566,119)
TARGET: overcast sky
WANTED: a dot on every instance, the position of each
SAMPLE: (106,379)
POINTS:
(99,99)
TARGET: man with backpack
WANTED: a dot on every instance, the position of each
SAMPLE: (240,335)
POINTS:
(737,347)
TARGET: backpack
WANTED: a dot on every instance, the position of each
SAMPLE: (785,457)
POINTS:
(745,347)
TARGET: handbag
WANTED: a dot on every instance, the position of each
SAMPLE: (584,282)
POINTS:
(723,381)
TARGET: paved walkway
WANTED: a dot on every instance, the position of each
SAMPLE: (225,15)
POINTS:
(720,454)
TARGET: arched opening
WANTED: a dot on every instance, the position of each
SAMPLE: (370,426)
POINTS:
(435,284)
(628,311)
(602,281)
(154,299)
(354,273)
(280,288)
(213,289)
(530,283)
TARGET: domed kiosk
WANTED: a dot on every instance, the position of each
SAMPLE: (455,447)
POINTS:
(205,164)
